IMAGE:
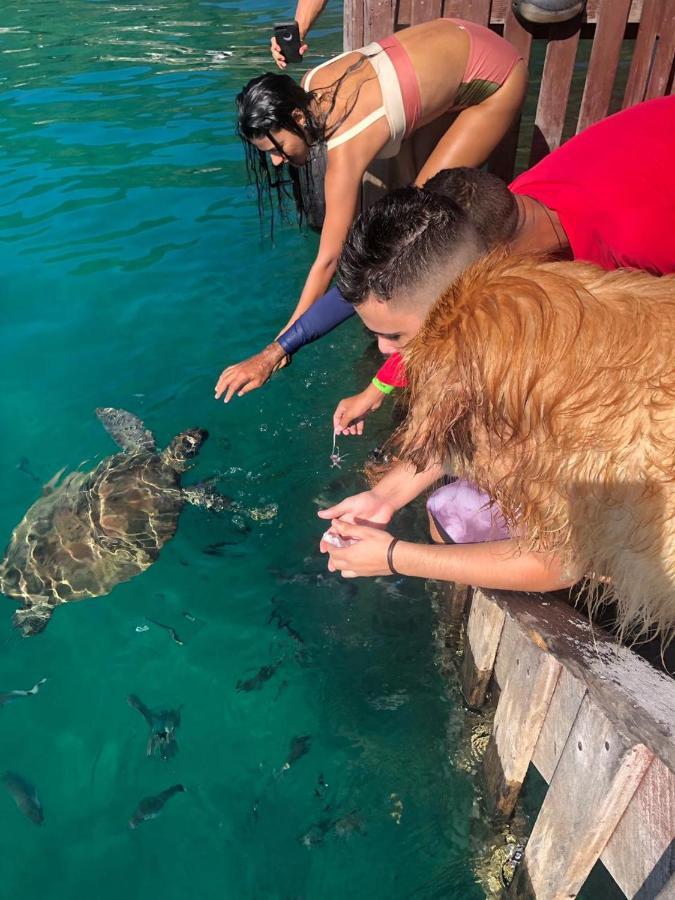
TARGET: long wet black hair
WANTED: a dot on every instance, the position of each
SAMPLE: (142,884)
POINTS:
(269,103)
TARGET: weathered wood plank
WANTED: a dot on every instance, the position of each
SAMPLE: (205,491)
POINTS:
(470,10)
(639,855)
(562,712)
(662,70)
(483,633)
(378,20)
(353,24)
(598,773)
(403,13)
(502,161)
(522,708)
(644,51)
(554,94)
(638,699)
(425,11)
(602,65)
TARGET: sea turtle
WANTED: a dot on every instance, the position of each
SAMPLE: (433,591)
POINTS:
(96,529)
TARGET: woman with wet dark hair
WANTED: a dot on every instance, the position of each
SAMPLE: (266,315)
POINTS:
(360,105)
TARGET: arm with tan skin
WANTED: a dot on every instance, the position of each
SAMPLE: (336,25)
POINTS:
(477,130)
(495,564)
(306,14)
(350,412)
(342,186)
(399,486)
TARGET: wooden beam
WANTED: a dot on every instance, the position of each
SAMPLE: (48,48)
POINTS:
(562,712)
(471,10)
(425,11)
(522,708)
(640,855)
(379,20)
(599,771)
(638,699)
(554,92)
(602,66)
(483,633)
(353,24)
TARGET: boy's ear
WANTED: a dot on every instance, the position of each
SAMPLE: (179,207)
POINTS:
(299,117)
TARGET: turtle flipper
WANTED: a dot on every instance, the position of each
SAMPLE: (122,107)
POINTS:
(32,620)
(205,495)
(126,429)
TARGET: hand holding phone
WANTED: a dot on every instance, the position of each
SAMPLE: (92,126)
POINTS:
(287,37)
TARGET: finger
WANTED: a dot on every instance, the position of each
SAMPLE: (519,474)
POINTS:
(234,385)
(251,385)
(303,48)
(349,574)
(331,567)
(359,427)
(334,511)
(351,530)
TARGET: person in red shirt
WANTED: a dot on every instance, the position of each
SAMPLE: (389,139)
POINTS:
(606,196)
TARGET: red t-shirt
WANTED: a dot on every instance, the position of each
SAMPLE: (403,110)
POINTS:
(613,187)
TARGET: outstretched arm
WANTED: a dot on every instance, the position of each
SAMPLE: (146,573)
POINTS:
(342,186)
(477,130)
(494,564)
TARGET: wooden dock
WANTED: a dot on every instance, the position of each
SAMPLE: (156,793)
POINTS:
(636,33)
(597,722)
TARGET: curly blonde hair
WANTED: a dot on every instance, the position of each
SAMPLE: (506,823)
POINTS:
(551,385)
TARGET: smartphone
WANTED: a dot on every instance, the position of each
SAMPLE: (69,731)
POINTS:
(288,38)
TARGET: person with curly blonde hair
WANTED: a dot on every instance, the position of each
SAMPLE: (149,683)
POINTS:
(550,387)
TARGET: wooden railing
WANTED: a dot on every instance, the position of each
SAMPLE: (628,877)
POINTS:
(648,26)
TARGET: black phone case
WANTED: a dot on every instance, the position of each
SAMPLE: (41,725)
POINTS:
(288,38)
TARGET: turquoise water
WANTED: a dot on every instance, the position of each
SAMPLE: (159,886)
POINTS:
(133,271)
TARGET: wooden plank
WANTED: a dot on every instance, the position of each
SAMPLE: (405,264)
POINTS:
(403,14)
(522,708)
(379,20)
(471,10)
(483,633)
(644,51)
(554,94)
(353,24)
(425,11)
(602,65)
(562,712)
(595,780)
(637,698)
(662,70)
(639,855)
(502,161)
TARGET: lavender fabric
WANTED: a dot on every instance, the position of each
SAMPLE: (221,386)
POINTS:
(465,514)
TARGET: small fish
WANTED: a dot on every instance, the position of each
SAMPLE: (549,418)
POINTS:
(161,738)
(285,625)
(172,631)
(322,784)
(11,696)
(188,615)
(256,681)
(151,807)
(25,796)
(24,466)
(299,747)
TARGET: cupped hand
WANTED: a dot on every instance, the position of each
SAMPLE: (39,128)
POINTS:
(278,56)
(365,558)
(350,413)
(249,374)
(367,508)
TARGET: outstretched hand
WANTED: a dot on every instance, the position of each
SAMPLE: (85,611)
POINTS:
(350,413)
(250,374)
(366,557)
(367,508)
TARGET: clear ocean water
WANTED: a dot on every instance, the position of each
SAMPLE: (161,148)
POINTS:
(133,270)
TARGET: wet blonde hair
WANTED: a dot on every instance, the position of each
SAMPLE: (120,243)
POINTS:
(552,387)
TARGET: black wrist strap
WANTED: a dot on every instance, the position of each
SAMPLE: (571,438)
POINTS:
(390,556)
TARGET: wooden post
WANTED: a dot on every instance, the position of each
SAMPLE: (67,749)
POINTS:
(612,18)
(483,633)
(594,781)
(522,708)
(554,93)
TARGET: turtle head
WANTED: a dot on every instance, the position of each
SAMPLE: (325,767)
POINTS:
(183,448)
(32,620)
